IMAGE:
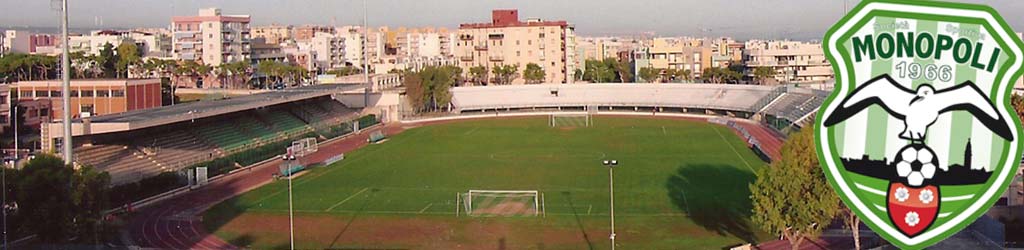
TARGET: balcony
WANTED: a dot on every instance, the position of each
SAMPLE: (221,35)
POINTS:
(497,58)
(466,37)
(466,58)
(496,36)
(480,47)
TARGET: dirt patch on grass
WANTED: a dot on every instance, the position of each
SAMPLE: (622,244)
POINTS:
(567,128)
(507,208)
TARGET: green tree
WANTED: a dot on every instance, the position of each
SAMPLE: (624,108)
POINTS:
(56,202)
(430,88)
(533,73)
(127,58)
(504,74)
(721,75)
(791,197)
(597,72)
(415,92)
(648,74)
(344,71)
(624,71)
(272,70)
(478,74)
(763,73)
(107,61)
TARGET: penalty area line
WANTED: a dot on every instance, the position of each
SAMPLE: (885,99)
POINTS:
(425,208)
(346,199)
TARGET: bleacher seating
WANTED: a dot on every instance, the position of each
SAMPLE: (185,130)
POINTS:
(796,104)
(225,136)
(130,157)
(747,98)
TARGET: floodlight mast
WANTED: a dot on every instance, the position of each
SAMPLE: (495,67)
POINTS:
(611,197)
(65,72)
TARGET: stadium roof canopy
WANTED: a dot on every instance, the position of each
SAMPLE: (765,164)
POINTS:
(145,118)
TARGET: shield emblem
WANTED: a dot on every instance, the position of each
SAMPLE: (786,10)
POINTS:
(918,137)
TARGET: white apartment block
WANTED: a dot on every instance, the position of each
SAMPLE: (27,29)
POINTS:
(328,50)
(793,61)
(150,45)
(508,41)
(211,38)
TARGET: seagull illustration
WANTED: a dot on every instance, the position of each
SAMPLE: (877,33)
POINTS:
(919,109)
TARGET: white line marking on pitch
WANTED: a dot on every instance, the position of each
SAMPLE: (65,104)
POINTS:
(663,130)
(346,199)
(734,150)
(425,208)
(589,208)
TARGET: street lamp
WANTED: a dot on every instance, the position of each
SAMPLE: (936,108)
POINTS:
(611,197)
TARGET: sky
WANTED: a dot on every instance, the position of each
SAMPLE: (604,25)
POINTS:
(741,19)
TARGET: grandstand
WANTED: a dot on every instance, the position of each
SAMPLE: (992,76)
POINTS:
(744,101)
(137,145)
(794,105)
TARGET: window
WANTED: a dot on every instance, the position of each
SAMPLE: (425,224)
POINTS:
(117,93)
(517,53)
(45,112)
(87,93)
(26,93)
(87,108)
(517,42)
(74,93)
(541,35)
(55,93)
(42,93)
(102,93)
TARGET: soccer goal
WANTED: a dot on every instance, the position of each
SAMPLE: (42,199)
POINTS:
(501,203)
(304,146)
(570,120)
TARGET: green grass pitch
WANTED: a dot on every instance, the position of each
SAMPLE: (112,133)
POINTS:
(680,184)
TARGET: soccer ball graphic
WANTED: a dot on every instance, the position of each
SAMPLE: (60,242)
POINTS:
(916,163)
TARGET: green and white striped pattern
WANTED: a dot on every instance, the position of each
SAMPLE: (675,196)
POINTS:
(876,134)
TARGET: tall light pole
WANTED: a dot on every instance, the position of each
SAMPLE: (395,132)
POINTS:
(291,213)
(65,72)
(611,197)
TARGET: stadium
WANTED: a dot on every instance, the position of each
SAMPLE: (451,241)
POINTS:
(509,166)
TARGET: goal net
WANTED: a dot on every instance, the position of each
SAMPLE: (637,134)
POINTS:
(303,147)
(501,203)
(570,120)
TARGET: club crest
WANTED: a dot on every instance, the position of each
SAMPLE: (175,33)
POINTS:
(918,137)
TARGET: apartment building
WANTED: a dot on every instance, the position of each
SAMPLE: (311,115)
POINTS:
(329,50)
(5,108)
(793,61)
(306,32)
(680,54)
(273,34)
(150,45)
(508,41)
(211,38)
(20,41)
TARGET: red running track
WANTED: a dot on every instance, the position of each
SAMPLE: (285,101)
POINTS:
(176,223)
(771,143)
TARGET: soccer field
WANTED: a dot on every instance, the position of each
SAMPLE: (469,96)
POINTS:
(679,184)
